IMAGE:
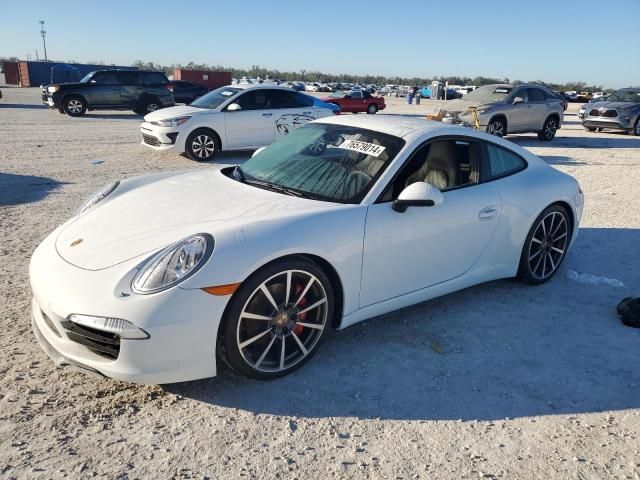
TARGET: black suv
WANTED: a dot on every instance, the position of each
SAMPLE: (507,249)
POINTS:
(141,91)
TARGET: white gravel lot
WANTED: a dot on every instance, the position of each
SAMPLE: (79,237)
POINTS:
(497,381)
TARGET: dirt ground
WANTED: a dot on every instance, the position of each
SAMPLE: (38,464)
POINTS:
(498,381)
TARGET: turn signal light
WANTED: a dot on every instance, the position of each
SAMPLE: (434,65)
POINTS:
(221,290)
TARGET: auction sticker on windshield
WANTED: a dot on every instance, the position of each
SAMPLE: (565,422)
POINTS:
(363,147)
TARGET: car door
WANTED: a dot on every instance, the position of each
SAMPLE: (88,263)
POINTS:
(291,110)
(424,246)
(517,114)
(537,107)
(105,90)
(254,124)
(130,87)
(357,101)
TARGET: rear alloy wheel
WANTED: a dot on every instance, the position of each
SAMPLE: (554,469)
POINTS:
(74,106)
(202,145)
(549,129)
(371,109)
(497,127)
(277,319)
(636,128)
(545,246)
(590,129)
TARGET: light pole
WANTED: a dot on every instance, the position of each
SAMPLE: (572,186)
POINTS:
(44,42)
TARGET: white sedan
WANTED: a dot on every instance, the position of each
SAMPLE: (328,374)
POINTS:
(344,219)
(237,117)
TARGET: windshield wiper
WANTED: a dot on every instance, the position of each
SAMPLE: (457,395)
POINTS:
(238,174)
(275,188)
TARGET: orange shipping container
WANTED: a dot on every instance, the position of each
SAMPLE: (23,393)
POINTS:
(206,78)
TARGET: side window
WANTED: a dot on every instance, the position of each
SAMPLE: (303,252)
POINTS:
(366,94)
(282,99)
(303,100)
(106,78)
(153,78)
(519,92)
(445,164)
(356,94)
(128,78)
(535,95)
(253,100)
(502,162)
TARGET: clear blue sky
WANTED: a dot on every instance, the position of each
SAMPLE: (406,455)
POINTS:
(552,40)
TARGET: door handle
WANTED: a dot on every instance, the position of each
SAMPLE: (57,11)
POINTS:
(267,114)
(487,213)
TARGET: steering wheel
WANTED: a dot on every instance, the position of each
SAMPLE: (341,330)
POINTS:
(355,180)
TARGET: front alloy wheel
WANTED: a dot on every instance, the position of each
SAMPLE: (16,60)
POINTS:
(497,127)
(546,246)
(201,145)
(277,319)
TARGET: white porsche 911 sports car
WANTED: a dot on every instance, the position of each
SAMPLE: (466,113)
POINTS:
(237,117)
(343,219)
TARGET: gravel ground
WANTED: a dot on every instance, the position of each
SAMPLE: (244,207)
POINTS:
(497,381)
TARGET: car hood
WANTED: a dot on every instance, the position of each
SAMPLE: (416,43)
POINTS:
(620,106)
(173,112)
(462,106)
(157,212)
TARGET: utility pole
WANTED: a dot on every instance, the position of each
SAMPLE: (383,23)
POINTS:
(43,32)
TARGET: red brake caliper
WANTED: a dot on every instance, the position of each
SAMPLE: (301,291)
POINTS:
(303,301)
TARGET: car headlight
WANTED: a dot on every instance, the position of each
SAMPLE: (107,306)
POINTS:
(173,264)
(482,111)
(53,88)
(171,122)
(98,197)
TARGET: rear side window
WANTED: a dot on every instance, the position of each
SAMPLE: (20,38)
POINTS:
(304,100)
(502,162)
(151,78)
(536,95)
(128,78)
(283,99)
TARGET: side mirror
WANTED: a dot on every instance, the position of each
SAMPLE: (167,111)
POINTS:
(347,96)
(418,194)
(92,81)
(257,151)
(234,107)
(518,100)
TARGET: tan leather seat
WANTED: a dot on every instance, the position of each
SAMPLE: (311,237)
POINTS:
(441,167)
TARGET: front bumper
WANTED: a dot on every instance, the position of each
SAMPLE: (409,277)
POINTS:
(182,323)
(162,138)
(617,123)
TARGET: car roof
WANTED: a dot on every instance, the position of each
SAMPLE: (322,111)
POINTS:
(253,86)
(397,125)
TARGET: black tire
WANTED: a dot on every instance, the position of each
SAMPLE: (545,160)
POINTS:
(546,244)
(590,129)
(148,105)
(74,105)
(497,126)
(372,109)
(636,128)
(549,129)
(262,358)
(202,145)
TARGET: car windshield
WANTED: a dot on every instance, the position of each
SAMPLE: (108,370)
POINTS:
(488,94)
(327,162)
(337,95)
(215,98)
(87,77)
(625,96)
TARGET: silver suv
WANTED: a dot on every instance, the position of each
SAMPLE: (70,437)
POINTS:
(504,109)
